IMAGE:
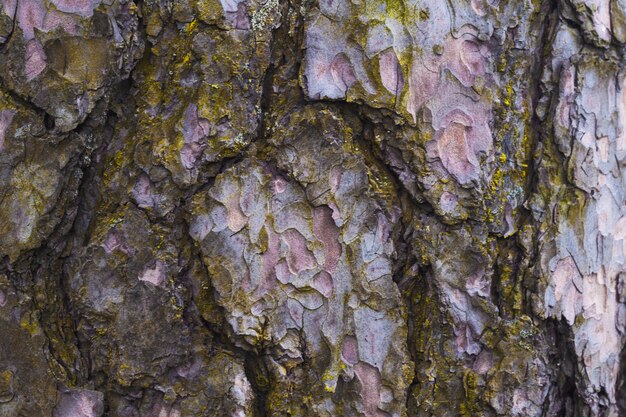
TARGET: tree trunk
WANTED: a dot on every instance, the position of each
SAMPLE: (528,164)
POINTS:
(289,208)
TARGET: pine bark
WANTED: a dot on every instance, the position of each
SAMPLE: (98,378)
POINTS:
(256,208)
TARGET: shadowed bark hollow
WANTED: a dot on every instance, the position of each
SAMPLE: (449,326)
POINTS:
(247,208)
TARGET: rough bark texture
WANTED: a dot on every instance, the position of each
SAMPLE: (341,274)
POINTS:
(296,208)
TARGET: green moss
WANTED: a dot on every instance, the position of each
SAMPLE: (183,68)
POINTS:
(124,374)
(329,379)
(281,401)
(472,404)
(30,323)
(209,11)
(6,380)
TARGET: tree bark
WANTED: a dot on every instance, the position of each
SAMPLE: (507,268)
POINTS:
(294,208)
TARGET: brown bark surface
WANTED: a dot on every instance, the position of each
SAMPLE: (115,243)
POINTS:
(250,208)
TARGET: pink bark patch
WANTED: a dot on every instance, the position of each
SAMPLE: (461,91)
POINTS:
(620,235)
(283,274)
(369,378)
(194,129)
(472,58)
(300,257)
(566,279)
(334,179)
(270,260)
(55,19)
(448,202)
(468,323)
(311,300)
(465,59)
(566,92)
(378,268)
(454,152)
(350,351)
(450,114)
(463,132)
(30,15)
(320,83)
(229,6)
(323,283)
(35,59)
(465,340)
(241,18)
(248,201)
(142,193)
(279,185)
(191,369)
(6,117)
(296,311)
(603,145)
(374,332)
(9,7)
(602,18)
(390,71)
(236,219)
(342,72)
(478,284)
(327,232)
(383,228)
(189,155)
(422,85)
(162,409)
(80,7)
(80,403)
(154,274)
(113,242)
(479,7)
(607,210)
(483,363)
